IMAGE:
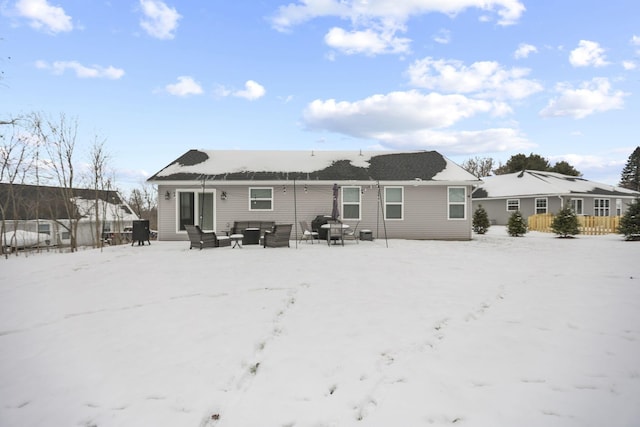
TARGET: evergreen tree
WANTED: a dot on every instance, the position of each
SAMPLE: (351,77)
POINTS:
(480,220)
(630,176)
(516,225)
(565,223)
(535,162)
(630,221)
(565,169)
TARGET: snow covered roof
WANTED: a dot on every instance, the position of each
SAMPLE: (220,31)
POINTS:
(539,183)
(312,165)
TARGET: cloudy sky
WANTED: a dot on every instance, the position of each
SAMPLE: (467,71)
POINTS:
(487,78)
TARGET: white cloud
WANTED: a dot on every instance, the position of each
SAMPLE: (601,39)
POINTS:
(635,40)
(368,42)
(186,86)
(412,119)
(159,21)
(443,37)
(588,53)
(375,23)
(52,19)
(591,97)
(251,91)
(629,65)
(524,50)
(485,78)
(82,71)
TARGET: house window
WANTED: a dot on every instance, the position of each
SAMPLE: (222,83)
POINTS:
(44,228)
(618,207)
(457,202)
(513,205)
(577,206)
(351,203)
(541,205)
(260,199)
(196,208)
(393,202)
(601,207)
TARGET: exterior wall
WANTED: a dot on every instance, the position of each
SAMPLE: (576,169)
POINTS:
(425,210)
(498,214)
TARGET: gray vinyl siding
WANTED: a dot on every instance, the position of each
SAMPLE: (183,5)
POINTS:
(498,214)
(425,210)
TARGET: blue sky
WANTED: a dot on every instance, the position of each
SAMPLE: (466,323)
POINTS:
(486,78)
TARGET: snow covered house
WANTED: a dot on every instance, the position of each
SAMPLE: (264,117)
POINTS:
(411,195)
(41,209)
(536,192)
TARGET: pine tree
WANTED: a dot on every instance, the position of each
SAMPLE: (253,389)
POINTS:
(630,176)
(517,225)
(480,220)
(630,221)
(565,223)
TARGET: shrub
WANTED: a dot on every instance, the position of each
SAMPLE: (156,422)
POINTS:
(630,222)
(480,220)
(517,225)
(565,223)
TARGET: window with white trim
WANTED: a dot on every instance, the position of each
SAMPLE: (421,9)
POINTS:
(513,205)
(457,201)
(393,202)
(618,207)
(195,208)
(577,206)
(351,203)
(541,205)
(601,207)
(260,198)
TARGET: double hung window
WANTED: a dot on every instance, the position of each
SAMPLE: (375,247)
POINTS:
(457,202)
(541,205)
(260,199)
(351,203)
(513,205)
(393,202)
(601,207)
(577,206)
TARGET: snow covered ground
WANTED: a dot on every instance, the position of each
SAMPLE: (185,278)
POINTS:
(498,331)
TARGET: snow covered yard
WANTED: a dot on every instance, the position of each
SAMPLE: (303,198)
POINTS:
(498,331)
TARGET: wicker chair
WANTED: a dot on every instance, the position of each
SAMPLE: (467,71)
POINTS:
(279,237)
(201,239)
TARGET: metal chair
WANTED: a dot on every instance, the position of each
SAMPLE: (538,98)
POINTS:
(307,232)
(335,232)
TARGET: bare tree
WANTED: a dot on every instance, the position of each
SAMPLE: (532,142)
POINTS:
(99,159)
(59,139)
(479,166)
(15,163)
(143,201)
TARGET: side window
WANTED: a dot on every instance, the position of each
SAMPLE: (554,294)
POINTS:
(541,205)
(260,199)
(457,202)
(351,203)
(577,206)
(513,205)
(393,202)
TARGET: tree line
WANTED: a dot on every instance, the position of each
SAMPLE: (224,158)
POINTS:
(486,166)
(43,151)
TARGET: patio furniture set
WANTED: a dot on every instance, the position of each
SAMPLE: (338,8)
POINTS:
(266,233)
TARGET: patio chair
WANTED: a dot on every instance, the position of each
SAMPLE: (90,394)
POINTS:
(278,237)
(351,233)
(335,231)
(307,232)
(201,239)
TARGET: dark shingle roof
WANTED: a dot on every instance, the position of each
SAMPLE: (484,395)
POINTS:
(304,165)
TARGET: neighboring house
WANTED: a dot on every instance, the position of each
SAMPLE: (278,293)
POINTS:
(41,209)
(536,192)
(422,194)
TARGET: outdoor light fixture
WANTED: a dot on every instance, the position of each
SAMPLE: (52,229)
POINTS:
(167,195)
(223,195)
